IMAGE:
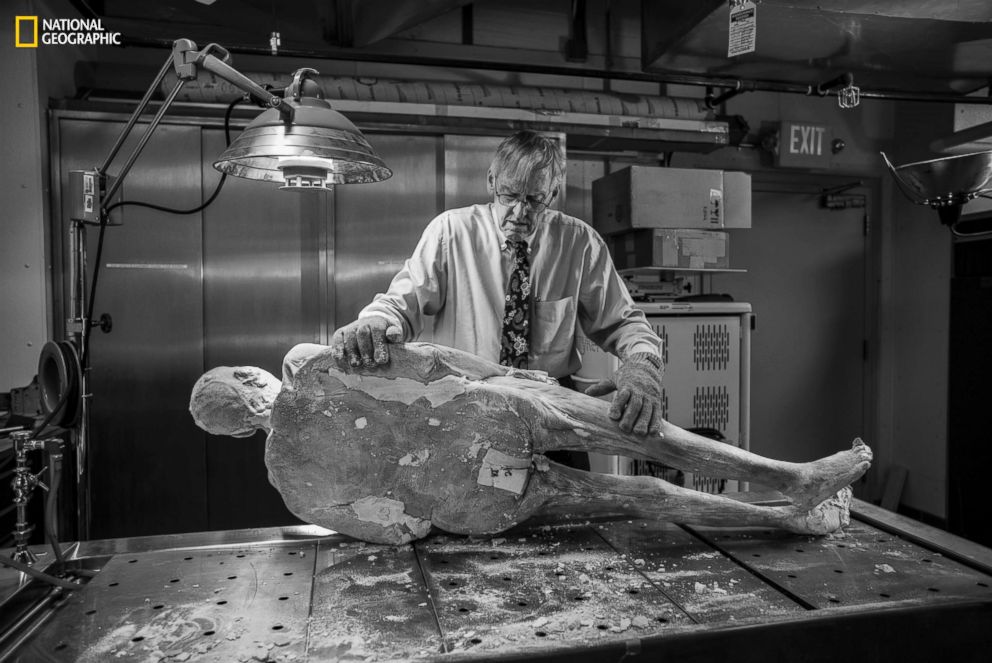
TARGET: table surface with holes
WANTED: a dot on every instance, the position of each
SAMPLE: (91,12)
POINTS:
(884,589)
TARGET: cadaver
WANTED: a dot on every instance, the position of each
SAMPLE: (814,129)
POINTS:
(439,438)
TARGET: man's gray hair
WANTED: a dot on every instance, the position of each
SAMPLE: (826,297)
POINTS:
(520,156)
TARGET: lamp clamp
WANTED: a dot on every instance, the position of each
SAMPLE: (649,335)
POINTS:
(299,87)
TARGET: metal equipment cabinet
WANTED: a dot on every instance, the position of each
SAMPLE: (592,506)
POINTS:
(706,354)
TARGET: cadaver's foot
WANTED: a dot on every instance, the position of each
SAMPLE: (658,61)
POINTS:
(821,479)
(826,517)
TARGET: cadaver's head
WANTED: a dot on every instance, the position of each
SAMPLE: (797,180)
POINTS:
(234,400)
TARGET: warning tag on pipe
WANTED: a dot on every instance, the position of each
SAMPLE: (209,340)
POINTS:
(743,30)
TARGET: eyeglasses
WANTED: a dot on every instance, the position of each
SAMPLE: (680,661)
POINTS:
(538,204)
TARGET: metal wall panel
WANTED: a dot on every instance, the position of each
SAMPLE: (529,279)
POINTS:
(147,461)
(256,243)
(377,226)
(466,162)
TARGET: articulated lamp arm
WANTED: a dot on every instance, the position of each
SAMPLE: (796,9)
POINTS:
(186,61)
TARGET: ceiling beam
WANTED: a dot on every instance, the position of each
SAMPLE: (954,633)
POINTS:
(665,23)
(375,20)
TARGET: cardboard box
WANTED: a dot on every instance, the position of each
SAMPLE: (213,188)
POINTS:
(684,248)
(736,199)
(654,197)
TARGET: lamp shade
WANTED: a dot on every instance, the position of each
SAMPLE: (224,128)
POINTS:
(333,150)
(952,180)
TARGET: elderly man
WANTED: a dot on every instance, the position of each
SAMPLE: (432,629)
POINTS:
(511,281)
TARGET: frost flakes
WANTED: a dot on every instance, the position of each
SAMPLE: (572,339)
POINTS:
(415,459)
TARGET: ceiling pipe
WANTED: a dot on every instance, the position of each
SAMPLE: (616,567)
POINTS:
(844,80)
(557,70)
(713,100)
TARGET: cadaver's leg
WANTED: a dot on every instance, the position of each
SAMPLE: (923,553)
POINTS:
(588,492)
(578,422)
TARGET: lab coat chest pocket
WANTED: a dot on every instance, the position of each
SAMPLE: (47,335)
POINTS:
(553,326)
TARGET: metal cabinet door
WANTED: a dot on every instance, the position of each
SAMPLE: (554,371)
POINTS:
(146,458)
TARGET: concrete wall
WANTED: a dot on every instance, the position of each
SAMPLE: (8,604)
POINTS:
(32,77)
(24,318)
(919,252)
(910,271)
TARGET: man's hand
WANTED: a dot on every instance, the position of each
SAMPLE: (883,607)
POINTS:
(637,403)
(364,341)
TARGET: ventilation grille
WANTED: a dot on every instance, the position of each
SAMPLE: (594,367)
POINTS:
(711,347)
(711,408)
(662,333)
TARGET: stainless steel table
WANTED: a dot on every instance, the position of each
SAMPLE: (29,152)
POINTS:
(886,589)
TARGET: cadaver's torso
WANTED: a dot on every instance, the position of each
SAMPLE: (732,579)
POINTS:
(350,448)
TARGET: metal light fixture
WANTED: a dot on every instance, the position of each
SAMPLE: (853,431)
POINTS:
(319,147)
(294,126)
(945,183)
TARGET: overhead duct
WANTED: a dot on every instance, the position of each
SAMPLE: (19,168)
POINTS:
(594,120)
(213,89)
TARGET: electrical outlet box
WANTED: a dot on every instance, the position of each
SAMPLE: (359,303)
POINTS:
(86,191)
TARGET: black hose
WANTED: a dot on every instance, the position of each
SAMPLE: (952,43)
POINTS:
(36,433)
(220,184)
(85,352)
(54,478)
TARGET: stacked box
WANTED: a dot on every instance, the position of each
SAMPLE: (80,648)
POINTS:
(649,197)
(671,217)
(737,199)
(675,248)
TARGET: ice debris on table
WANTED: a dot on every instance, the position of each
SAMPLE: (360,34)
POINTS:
(714,589)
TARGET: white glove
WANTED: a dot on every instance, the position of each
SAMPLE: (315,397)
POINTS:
(365,340)
(638,397)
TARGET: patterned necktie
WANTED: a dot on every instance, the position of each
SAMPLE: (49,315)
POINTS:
(514,345)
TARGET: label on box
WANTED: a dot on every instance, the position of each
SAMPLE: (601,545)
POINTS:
(693,249)
(708,249)
(716,208)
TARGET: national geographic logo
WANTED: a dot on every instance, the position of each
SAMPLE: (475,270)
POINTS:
(62,31)
(26,31)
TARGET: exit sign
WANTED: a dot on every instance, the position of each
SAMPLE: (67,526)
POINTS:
(804,145)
